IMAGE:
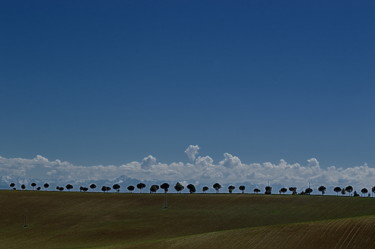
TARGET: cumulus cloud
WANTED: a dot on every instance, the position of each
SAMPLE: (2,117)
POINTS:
(201,169)
(192,151)
(148,161)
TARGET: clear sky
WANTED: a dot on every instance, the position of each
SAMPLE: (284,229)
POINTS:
(109,82)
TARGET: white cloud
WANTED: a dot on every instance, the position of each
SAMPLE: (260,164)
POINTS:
(148,161)
(192,151)
(202,169)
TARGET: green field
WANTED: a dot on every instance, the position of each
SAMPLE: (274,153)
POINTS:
(114,221)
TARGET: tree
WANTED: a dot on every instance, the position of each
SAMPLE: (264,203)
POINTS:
(69,187)
(61,188)
(154,188)
(131,188)
(191,188)
(256,190)
(343,192)
(308,191)
(165,187)
(355,194)
(364,191)
(293,190)
(12,185)
(178,187)
(231,188)
(204,189)
(84,189)
(38,188)
(373,191)
(23,186)
(322,189)
(242,188)
(349,189)
(33,185)
(337,190)
(283,190)
(116,187)
(106,189)
(46,185)
(268,190)
(93,186)
(141,186)
(217,187)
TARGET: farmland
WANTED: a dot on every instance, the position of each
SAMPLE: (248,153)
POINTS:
(114,221)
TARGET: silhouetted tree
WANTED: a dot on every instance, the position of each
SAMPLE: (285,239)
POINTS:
(256,190)
(268,190)
(191,188)
(165,187)
(343,192)
(364,191)
(355,194)
(12,185)
(337,190)
(283,190)
(373,191)
(23,186)
(154,188)
(141,186)
(293,190)
(204,189)
(178,187)
(33,185)
(46,186)
(57,187)
(231,188)
(61,188)
(131,188)
(308,191)
(349,189)
(116,187)
(242,188)
(106,189)
(322,189)
(85,189)
(93,186)
(217,187)
(38,188)
(69,187)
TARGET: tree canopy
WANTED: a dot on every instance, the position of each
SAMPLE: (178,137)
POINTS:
(141,186)
(178,187)
(217,187)
(165,187)
(154,188)
(231,188)
(191,188)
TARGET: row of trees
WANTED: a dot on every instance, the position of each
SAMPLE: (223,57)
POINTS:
(192,189)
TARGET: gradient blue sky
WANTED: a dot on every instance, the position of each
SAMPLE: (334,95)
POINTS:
(108,82)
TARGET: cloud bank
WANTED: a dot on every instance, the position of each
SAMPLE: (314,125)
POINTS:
(200,169)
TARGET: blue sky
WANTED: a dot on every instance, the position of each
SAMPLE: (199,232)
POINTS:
(99,82)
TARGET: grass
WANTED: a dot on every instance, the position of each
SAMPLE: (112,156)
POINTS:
(113,221)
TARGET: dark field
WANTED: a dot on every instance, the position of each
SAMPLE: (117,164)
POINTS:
(110,220)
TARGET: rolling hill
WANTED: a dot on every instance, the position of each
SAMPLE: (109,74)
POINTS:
(113,221)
